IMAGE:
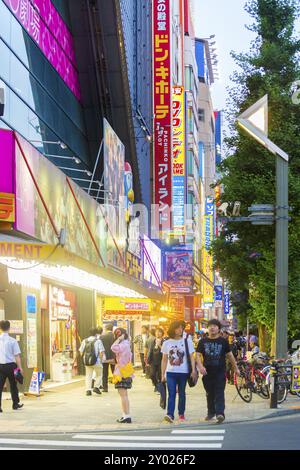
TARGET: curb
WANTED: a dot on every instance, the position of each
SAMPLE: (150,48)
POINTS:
(158,427)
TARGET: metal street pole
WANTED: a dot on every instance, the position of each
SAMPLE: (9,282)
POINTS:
(282,221)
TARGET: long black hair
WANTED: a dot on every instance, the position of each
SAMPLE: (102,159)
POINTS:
(173,326)
(119,332)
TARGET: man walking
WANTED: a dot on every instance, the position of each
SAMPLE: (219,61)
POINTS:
(108,340)
(10,359)
(92,351)
(211,360)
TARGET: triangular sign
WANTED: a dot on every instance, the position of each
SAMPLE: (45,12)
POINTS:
(257,115)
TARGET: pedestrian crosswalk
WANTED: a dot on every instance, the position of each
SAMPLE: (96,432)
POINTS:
(176,439)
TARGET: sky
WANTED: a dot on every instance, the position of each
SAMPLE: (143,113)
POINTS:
(226,19)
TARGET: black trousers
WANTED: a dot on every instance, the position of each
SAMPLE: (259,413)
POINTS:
(214,384)
(7,372)
(105,373)
(142,357)
(155,373)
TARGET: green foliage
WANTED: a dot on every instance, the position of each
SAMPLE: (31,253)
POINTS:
(245,254)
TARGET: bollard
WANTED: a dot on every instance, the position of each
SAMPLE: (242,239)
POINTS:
(274,386)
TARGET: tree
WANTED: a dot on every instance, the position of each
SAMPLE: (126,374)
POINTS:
(245,254)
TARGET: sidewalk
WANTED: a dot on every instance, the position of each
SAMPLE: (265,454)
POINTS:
(67,409)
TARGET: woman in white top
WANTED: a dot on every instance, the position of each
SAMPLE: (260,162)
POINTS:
(176,368)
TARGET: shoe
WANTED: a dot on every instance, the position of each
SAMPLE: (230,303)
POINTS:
(182,419)
(168,419)
(209,417)
(101,387)
(220,419)
(97,391)
(124,420)
(105,390)
(88,393)
(18,407)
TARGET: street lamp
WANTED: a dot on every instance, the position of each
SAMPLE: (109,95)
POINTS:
(255,122)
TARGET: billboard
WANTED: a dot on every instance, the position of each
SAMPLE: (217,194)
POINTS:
(154,253)
(208,295)
(179,270)
(48,30)
(178,128)
(115,210)
(162,111)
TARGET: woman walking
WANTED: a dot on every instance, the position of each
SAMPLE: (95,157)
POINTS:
(123,373)
(175,368)
(155,357)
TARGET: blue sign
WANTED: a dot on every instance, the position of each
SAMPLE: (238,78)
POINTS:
(218,292)
(226,303)
(209,206)
(31,304)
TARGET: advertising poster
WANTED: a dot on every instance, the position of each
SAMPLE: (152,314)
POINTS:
(178,126)
(208,231)
(31,216)
(154,253)
(114,174)
(179,271)
(162,94)
(296,379)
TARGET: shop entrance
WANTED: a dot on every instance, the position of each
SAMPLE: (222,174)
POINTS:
(59,333)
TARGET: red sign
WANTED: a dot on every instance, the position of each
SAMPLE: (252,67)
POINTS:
(7,207)
(162,111)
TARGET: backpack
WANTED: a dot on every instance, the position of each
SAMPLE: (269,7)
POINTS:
(89,355)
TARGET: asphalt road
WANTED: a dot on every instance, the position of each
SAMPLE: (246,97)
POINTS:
(272,434)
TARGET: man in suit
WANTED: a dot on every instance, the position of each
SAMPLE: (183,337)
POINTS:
(107,340)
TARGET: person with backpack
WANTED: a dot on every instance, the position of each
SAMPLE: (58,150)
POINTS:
(92,351)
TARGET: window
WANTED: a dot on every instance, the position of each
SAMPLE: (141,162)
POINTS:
(201,115)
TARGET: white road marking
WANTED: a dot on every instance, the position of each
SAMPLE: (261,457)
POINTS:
(99,437)
(184,431)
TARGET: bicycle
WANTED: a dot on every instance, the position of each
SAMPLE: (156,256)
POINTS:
(251,380)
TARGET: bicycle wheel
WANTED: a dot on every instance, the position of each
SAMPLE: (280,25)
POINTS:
(262,388)
(282,390)
(243,387)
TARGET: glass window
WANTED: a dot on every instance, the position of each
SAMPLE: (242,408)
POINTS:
(201,115)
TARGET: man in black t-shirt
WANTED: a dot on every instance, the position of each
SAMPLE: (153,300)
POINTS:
(211,360)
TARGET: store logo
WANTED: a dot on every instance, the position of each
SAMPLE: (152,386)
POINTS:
(7,207)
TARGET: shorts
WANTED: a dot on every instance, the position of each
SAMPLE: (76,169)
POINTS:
(125,384)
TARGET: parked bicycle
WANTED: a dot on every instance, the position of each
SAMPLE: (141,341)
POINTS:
(252,379)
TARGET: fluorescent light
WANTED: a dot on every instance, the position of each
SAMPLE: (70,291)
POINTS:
(27,274)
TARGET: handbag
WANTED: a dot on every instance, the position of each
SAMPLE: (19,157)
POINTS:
(192,383)
(18,376)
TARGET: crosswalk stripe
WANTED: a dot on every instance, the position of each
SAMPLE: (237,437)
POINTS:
(108,444)
(93,437)
(184,431)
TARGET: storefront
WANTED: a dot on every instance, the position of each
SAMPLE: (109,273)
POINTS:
(59,331)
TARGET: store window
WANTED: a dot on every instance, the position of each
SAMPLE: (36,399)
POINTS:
(201,115)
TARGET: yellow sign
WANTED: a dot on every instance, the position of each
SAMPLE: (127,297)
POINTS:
(125,305)
(295,379)
(7,207)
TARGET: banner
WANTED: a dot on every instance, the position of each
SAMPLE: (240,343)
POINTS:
(178,126)
(179,271)
(162,111)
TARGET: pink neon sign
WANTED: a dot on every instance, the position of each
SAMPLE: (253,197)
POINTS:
(46,27)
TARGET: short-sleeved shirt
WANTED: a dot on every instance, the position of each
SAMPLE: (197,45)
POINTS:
(214,353)
(9,349)
(99,348)
(177,357)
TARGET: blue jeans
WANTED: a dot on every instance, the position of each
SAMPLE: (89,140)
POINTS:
(175,379)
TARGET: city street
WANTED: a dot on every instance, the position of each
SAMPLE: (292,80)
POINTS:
(270,434)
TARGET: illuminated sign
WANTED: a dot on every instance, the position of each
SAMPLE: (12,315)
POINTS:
(178,127)
(162,111)
(208,295)
(154,253)
(116,304)
(7,207)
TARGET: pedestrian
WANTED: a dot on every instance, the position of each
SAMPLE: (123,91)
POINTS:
(155,357)
(140,341)
(123,373)
(99,333)
(148,346)
(10,359)
(254,346)
(211,360)
(109,361)
(175,368)
(92,350)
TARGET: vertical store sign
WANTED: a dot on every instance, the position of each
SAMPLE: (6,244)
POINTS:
(226,303)
(162,111)
(31,313)
(208,297)
(178,127)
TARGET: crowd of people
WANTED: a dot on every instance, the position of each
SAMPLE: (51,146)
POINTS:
(170,358)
